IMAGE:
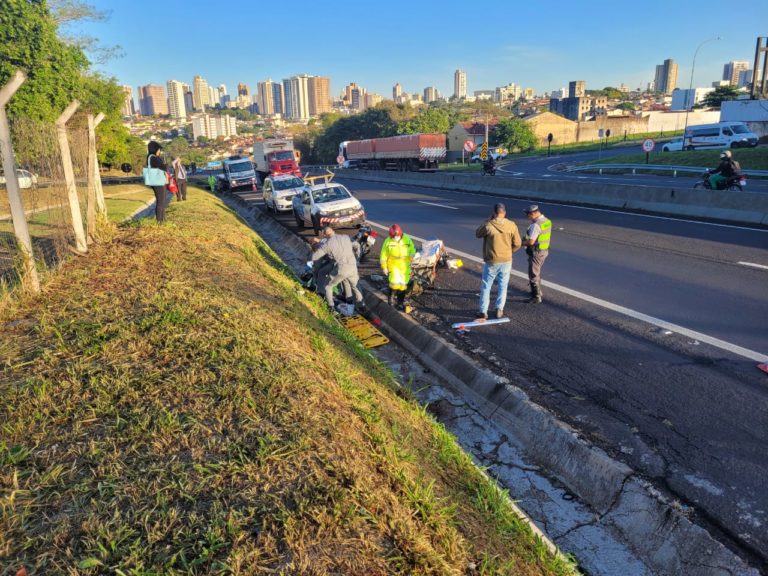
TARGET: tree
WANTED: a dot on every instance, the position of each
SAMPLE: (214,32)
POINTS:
(719,95)
(515,134)
(427,120)
(629,106)
(178,147)
(64,13)
(202,140)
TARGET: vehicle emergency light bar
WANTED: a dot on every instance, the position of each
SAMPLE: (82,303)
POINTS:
(327,177)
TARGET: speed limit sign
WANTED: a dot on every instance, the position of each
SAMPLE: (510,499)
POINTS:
(648,145)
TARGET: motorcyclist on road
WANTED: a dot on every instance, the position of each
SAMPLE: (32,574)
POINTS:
(727,169)
(395,259)
(489,166)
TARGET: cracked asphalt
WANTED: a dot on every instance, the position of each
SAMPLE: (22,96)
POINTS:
(691,418)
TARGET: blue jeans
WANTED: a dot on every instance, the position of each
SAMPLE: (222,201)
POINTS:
(492,272)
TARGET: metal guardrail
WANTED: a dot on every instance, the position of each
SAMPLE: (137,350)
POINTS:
(656,167)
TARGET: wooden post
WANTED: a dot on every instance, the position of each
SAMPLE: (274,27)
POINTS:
(101,206)
(69,176)
(21,230)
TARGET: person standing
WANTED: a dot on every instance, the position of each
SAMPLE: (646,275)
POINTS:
(339,249)
(154,150)
(501,239)
(395,259)
(536,241)
(212,182)
(181,179)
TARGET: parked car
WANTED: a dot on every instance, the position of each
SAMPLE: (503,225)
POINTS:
(328,204)
(494,153)
(25,177)
(280,190)
(673,145)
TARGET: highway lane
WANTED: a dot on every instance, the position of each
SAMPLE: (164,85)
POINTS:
(686,273)
(690,417)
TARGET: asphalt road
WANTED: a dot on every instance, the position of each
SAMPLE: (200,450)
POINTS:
(689,416)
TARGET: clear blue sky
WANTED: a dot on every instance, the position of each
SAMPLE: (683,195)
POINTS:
(536,43)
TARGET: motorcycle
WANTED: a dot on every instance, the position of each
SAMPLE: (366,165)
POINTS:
(489,169)
(366,239)
(736,182)
(426,262)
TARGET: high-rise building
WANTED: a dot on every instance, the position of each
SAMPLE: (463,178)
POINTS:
(506,94)
(397,90)
(296,93)
(666,77)
(129,109)
(189,101)
(372,100)
(732,69)
(347,94)
(243,90)
(319,95)
(459,84)
(577,88)
(357,97)
(176,105)
(152,100)
(200,94)
(745,78)
(213,126)
(222,90)
(430,94)
(266,97)
(213,96)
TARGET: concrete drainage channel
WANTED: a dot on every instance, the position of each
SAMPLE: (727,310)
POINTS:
(590,505)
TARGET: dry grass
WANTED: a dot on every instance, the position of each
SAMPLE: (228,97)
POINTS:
(173,405)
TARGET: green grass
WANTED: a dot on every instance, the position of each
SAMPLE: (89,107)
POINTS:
(749,158)
(616,141)
(461,167)
(174,404)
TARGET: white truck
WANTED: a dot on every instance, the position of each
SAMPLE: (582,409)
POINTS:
(237,172)
(275,156)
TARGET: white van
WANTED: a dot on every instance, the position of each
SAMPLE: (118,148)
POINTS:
(721,135)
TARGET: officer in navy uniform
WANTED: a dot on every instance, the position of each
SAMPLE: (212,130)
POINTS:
(536,242)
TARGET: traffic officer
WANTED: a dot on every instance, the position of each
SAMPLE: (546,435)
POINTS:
(395,260)
(536,242)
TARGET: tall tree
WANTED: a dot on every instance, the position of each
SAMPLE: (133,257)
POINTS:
(516,135)
(427,120)
(720,95)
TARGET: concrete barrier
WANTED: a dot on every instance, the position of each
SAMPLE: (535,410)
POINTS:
(735,207)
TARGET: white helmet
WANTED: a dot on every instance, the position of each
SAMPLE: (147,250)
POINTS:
(726,154)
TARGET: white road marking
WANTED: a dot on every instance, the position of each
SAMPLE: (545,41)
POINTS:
(753,265)
(712,341)
(438,205)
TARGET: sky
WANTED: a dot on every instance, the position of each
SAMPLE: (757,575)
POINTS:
(419,43)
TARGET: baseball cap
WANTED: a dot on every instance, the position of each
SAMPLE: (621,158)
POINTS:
(498,208)
(532,208)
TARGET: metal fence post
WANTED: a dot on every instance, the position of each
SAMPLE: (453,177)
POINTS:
(101,206)
(90,209)
(69,176)
(20,228)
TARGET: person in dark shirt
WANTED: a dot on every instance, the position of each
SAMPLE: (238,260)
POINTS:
(155,161)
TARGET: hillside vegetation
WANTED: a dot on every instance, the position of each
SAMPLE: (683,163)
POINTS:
(174,404)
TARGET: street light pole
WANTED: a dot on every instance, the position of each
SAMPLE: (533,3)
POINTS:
(690,86)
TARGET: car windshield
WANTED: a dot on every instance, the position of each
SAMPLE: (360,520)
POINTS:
(288,183)
(241,167)
(284,155)
(331,194)
(739,129)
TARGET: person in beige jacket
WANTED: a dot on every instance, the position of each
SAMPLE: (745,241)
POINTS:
(501,239)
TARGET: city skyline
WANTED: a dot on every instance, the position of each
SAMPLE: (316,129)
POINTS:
(554,46)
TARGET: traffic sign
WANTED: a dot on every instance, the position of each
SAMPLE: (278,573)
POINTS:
(340,159)
(469,145)
(484,151)
(648,145)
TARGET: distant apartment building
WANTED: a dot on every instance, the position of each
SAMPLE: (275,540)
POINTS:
(684,99)
(459,84)
(270,97)
(665,79)
(152,100)
(296,93)
(506,94)
(128,109)
(176,105)
(357,98)
(732,69)
(558,94)
(212,126)
(213,96)
(745,79)
(319,88)
(189,100)
(372,100)
(200,94)
(430,94)
(397,90)
(577,88)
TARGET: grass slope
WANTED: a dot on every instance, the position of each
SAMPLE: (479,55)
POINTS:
(172,404)
(749,158)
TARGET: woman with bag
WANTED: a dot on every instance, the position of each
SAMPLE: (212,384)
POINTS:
(155,177)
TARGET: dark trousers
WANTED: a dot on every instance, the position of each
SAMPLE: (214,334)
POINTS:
(160,194)
(182,193)
(535,262)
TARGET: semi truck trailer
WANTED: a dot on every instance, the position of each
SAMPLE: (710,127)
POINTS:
(406,153)
(275,156)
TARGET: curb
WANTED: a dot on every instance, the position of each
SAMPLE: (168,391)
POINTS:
(658,531)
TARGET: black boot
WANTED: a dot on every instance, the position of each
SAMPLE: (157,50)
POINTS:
(535,294)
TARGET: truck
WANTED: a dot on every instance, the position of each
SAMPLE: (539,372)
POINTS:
(237,172)
(275,156)
(406,153)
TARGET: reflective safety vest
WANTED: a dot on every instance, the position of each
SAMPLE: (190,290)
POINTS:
(542,242)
